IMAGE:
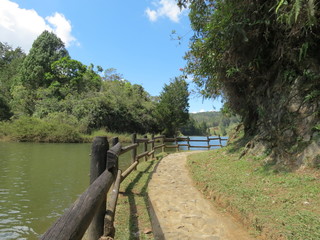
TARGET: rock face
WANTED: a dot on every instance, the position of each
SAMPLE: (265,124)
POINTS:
(288,125)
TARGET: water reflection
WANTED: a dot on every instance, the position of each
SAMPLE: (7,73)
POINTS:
(37,182)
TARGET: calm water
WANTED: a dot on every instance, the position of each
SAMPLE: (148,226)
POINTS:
(39,181)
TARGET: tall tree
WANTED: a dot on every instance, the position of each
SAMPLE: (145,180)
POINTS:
(10,63)
(46,49)
(173,107)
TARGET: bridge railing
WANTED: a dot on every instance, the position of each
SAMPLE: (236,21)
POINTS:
(92,212)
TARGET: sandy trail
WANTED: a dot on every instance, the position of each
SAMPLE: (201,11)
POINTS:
(180,211)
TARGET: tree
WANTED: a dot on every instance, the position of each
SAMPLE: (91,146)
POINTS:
(5,113)
(111,74)
(10,63)
(262,57)
(172,110)
(242,49)
(46,49)
(66,77)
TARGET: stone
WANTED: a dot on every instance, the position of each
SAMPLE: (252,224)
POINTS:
(307,137)
(147,231)
(288,133)
(293,105)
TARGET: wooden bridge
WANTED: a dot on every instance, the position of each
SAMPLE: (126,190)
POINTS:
(91,210)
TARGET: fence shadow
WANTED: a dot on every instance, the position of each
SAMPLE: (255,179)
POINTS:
(131,193)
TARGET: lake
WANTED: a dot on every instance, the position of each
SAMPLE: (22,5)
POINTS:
(38,181)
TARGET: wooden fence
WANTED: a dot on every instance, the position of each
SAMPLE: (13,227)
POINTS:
(91,212)
(177,142)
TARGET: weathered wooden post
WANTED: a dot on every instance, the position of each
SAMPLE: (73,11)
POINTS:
(220,141)
(112,166)
(188,139)
(99,150)
(152,146)
(112,161)
(133,151)
(145,149)
(163,144)
(176,142)
(114,141)
(208,141)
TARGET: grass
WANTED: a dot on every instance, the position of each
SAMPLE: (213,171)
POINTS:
(132,219)
(273,203)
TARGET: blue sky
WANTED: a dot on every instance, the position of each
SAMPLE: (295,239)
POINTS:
(130,36)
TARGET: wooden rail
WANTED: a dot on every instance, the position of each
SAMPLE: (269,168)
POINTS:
(92,212)
(187,139)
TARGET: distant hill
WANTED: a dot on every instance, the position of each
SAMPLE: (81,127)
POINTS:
(210,118)
(209,123)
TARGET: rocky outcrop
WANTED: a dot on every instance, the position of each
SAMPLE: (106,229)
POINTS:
(288,126)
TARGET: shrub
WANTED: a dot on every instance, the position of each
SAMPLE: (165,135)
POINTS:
(30,129)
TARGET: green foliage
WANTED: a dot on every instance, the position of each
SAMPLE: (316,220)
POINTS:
(66,77)
(10,63)
(70,76)
(194,128)
(35,130)
(5,113)
(313,95)
(57,94)
(22,102)
(262,58)
(172,110)
(210,123)
(46,49)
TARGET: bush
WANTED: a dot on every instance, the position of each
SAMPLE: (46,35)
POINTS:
(29,129)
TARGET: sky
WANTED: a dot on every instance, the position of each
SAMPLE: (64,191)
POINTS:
(133,37)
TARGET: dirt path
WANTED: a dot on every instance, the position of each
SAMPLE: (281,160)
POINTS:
(179,209)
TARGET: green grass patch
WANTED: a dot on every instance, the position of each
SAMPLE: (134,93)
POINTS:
(132,219)
(276,204)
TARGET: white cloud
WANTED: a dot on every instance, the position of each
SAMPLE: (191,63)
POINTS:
(165,8)
(152,15)
(20,27)
(62,28)
(203,110)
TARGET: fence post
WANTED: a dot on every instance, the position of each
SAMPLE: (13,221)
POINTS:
(112,165)
(220,141)
(208,141)
(152,145)
(145,148)
(99,149)
(163,144)
(133,151)
(188,139)
(114,141)
(177,144)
